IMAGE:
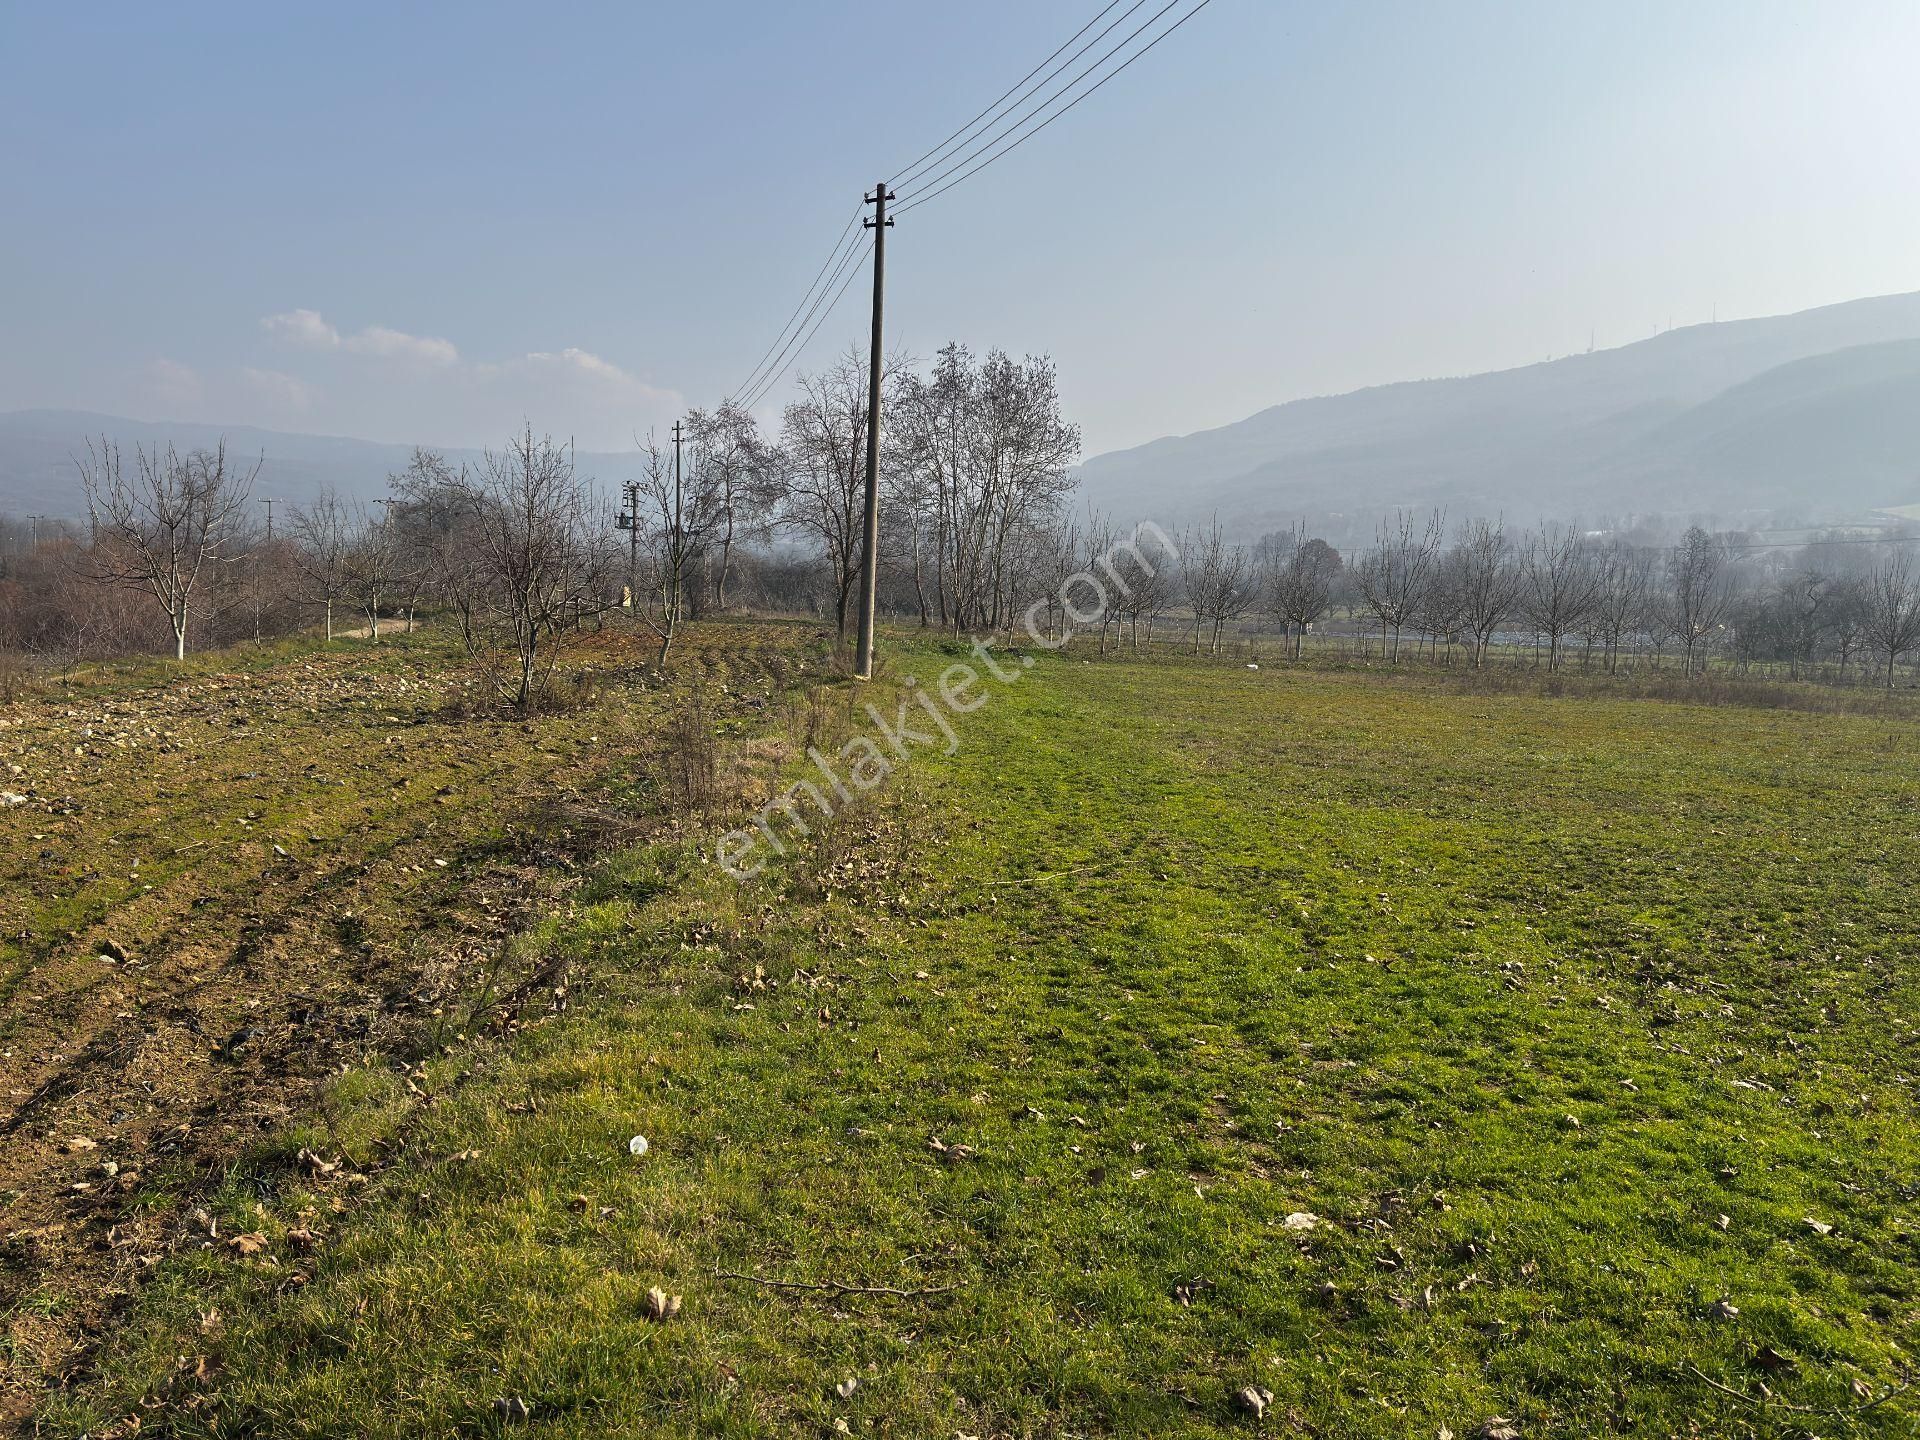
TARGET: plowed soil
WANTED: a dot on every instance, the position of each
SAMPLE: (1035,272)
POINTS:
(217,887)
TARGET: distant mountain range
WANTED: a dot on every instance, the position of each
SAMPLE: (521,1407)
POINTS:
(1806,417)
(38,474)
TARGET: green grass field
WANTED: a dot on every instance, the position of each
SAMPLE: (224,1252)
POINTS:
(1436,1062)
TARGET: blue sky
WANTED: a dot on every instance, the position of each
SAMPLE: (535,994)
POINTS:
(429,223)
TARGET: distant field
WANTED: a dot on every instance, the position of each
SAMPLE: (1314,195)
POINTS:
(1436,1062)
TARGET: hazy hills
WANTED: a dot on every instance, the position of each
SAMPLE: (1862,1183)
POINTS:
(38,474)
(1813,415)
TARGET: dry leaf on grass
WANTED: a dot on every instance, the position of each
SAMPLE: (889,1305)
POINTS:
(661,1305)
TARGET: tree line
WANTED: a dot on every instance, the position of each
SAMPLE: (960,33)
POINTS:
(1838,600)
(520,550)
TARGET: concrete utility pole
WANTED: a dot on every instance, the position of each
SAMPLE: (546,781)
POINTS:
(870,524)
(676,554)
(258,607)
(632,521)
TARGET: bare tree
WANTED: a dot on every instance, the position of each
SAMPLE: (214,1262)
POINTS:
(1697,589)
(1559,585)
(542,558)
(1060,561)
(987,445)
(1892,619)
(1488,579)
(160,528)
(1847,619)
(731,483)
(823,447)
(1219,582)
(1392,575)
(1143,568)
(1299,584)
(323,536)
(433,511)
(1097,549)
(680,522)
(1441,613)
(1625,590)
(372,563)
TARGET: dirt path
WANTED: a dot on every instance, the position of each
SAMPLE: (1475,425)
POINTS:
(221,888)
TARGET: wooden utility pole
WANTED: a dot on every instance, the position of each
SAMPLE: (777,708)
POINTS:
(870,524)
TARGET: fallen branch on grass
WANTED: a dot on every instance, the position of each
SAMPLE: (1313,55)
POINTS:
(1037,879)
(834,1287)
(1775,1403)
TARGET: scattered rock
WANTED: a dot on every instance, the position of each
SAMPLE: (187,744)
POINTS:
(1254,1399)
(1301,1220)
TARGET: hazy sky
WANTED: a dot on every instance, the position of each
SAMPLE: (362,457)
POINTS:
(428,223)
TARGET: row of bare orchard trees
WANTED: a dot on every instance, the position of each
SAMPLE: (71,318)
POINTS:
(1833,601)
(182,551)
(516,549)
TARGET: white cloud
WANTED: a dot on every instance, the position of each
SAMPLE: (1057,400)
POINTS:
(303,327)
(398,345)
(386,384)
(571,364)
(311,330)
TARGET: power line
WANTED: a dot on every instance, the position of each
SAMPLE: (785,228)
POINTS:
(1814,544)
(925,195)
(802,333)
(758,389)
(906,174)
(802,325)
(776,377)
(747,384)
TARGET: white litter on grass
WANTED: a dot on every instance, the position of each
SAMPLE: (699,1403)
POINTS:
(637,1146)
(1301,1220)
